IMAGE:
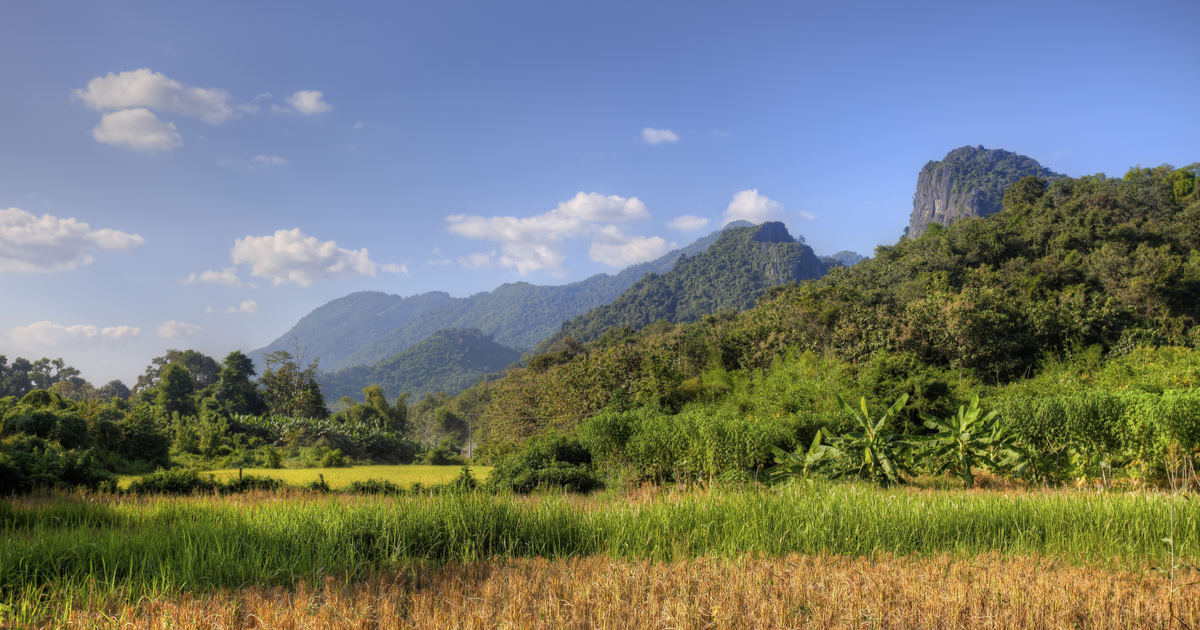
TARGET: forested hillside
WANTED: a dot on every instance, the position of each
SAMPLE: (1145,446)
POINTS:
(333,331)
(1068,290)
(744,262)
(447,361)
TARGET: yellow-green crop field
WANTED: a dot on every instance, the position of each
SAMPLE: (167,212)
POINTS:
(403,476)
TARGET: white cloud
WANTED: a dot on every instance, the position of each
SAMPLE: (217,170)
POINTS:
(309,102)
(226,276)
(29,243)
(750,206)
(613,247)
(48,334)
(175,330)
(143,88)
(805,214)
(533,243)
(476,261)
(655,136)
(138,129)
(687,223)
(266,161)
(360,124)
(291,256)
(248,306)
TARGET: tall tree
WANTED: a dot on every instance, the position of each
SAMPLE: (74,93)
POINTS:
(235,386)
(175,391)
(201,367)
(290,391)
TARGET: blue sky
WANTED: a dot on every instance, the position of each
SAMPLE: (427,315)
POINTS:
(239,164)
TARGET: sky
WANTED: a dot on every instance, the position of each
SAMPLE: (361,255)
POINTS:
(202,175)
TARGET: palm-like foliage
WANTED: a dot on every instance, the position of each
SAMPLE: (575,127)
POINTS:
(871,451)
(970,439)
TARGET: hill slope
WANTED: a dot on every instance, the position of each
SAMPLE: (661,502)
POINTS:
(336,329)
(744,262)
(448,360)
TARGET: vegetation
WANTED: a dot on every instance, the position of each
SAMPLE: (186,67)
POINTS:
(744,262)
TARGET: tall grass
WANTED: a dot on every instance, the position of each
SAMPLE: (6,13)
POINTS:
(76,548)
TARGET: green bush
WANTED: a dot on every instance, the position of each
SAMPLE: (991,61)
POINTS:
(334,459)
(28,462)
(444,454)
(174,481)
(547,461)
(374,486)
(254,482)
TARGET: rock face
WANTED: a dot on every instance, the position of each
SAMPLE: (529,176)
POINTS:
(968,182)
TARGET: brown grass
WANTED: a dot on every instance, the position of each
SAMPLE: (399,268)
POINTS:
(990,591)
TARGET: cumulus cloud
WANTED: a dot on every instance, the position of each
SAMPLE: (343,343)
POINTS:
(29,243)
(309,102)
(651,135)
(226,276)
(143,88)
(750,206)
(532,243)
(49,334)
(248,306)
(805,214)
(263,161)
(291,256)
(613,247)
(176,330)
(687,223)
(138,129)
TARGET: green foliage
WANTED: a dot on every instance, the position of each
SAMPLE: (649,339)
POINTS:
(446,453)
(174,481)
(250,483)
(334,459)
(29,462)
(743,263)
(288,390)
(969,440)
(871,452)
(374,486)
(551,461)
(175,392)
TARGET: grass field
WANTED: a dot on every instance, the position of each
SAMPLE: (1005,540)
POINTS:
(337,478)
(109,553)
(825,592)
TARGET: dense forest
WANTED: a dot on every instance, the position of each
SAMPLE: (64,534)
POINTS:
(448,361)
(744,262)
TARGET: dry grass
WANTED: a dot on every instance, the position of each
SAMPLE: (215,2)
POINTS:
(989,591)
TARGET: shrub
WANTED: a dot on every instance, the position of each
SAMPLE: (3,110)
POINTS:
(374,486)
(547,461)
(334,459)
(28,462)
(254,482)
(174,481)
(444,454)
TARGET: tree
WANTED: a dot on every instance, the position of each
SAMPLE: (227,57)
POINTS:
(24,376)
(175,392)
(235,388)
(290,391)
(201,367)
(115,389)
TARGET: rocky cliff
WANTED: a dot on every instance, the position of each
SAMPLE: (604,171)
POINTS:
(968,182)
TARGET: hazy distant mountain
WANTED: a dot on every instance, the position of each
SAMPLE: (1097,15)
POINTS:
(335,330)
(368,327)
(730,275)
(448,361)
(846,258)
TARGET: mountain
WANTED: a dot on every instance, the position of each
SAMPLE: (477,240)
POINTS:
(520,314)
(847,258)
(448,360)
(367,327)
(968,182)
(335,330)
(730,275)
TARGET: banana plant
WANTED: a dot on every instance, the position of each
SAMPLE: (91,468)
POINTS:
(873,451)
(970,439)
